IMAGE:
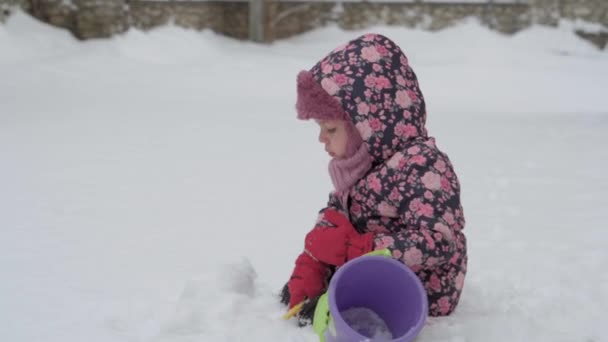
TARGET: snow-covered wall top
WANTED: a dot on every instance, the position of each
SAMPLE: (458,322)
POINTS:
(376,1)
(285,18)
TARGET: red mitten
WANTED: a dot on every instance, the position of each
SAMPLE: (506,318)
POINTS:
(339,244)
(308,279)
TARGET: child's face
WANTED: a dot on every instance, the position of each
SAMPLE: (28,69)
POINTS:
(334,136)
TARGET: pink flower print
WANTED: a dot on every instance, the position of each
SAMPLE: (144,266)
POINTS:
(404,60)
(418,160)
(444,305)
(412,96)
(374,183)
(440,165)
(395,141)
(405,131)
(394,195)
(454,258)
(370,54)
(445,184)
(363,108)
(431,180)
(384,242)
(403,163)
(330,86)
(370,81)
(376,67)
(327,68)
(388,102)
(449,218)
(428,195)
(407,114)
(459,281)
(395,160)
(337,66)
(400,80)
(399,129)
(429,239)
(435,283)
(377,228)
(340,79)
(375,124)
(413,150)
(411,130)
(415,205)
(444,230)
(412,257)
(369,37)
(355,208)
(385,209)
(373,108)
(431,261)
(364,129)
(403,99)
(368,93)
(407,215)
(426,210)
(397,254)
(382,83)
(382,50)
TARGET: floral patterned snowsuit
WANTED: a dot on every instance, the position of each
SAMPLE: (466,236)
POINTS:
(410,199)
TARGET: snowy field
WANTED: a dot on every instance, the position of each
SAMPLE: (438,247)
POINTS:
(157,186)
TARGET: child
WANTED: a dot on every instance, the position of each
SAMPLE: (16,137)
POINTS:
(393,187)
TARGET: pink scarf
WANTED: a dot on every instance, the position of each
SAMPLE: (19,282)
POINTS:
(346,172)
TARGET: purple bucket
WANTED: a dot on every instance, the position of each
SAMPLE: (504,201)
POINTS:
(380,285)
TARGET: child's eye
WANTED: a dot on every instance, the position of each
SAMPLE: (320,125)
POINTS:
(331,130)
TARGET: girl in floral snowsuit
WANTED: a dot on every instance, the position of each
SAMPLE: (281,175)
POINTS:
(393,187)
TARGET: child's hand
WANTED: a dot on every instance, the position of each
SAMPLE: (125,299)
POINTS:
(307,281)
(306,311)
(339,244)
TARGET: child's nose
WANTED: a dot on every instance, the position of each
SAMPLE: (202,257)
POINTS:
(322,138)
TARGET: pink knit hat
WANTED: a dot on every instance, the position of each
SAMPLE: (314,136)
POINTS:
(314,102)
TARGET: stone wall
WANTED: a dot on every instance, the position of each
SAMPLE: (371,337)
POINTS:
(507,18)
(95,18)
(6,6)
(92,20)
(229,18)
(54,12)
(548,12)
(84,18)
(287,19)
(589,10)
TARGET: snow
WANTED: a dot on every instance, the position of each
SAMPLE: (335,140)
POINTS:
(157,187)
(367,323)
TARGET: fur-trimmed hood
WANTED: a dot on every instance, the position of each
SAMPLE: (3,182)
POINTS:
(369,82)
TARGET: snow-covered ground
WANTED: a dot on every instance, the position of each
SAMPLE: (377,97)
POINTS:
(157,186)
